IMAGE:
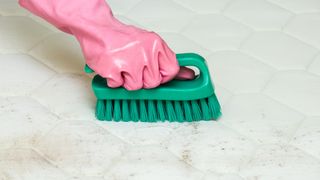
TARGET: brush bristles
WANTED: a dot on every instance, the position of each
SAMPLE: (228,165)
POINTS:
(158,110)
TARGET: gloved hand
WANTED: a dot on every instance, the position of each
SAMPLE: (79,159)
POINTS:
(125,55)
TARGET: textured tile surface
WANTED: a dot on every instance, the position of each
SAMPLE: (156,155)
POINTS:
(77,92)
(298,90)
(308,136)
(210,146)
(81,148)
(271,162)
(261,118)
(27,164)
(68,60)
(264,60)
(162,15)
(279,50)
(216,32)
(22,74)
(22,121)
(151,162)
(240,73)
(11,8)
(305,27)
(258,14)
(19,34)
(299,6)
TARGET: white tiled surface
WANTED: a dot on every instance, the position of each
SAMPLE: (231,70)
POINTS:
(265,62)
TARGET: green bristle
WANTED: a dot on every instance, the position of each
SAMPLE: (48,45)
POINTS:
(152,112)
(196,111)
(134,113)
(125,111)
(108,110)
(187,110)
(205,109)
(161,110)
(214,106)
(143,111)
(179,112)
(100,109)
(117,110)
(170,111)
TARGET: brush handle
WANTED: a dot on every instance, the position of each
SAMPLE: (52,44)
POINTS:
(192,59)
(87,69)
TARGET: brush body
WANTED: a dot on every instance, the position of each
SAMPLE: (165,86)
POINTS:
(175,101)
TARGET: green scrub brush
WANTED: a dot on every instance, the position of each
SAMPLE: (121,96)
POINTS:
(177,100)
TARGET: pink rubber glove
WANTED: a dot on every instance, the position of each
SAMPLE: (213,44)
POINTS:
(125,55)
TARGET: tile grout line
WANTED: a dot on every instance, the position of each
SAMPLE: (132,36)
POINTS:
(183,6)
(44,64)
(312,61)
(294,132)
(44,38)
(300,40)
(279,6)
(279,102)
(51,162)
(243,51)
(306,153)
(183,161)
(111,133)
(194,42)
(229,3)
(268,81)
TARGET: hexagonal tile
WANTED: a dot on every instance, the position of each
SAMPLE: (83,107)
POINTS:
(258,14)
(216,32)
(239,73)
(81,148)
(121,8)
(273,162)
(210,146)
(181,44)
(162,15)
(150,162)
(23,121)
(298,90)
(69,96)
(305,27)
(273,47)
(19,34)
(202,6)
(61,52)
(314,67)
(261,118)
(11,8)
(307,137)
(21,74)
(299,6)
(27,164)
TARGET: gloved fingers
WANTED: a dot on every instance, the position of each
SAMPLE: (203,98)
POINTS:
(151,74)
(168,64)
(114,79)
(151,77)
(185,74)
(132,81)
